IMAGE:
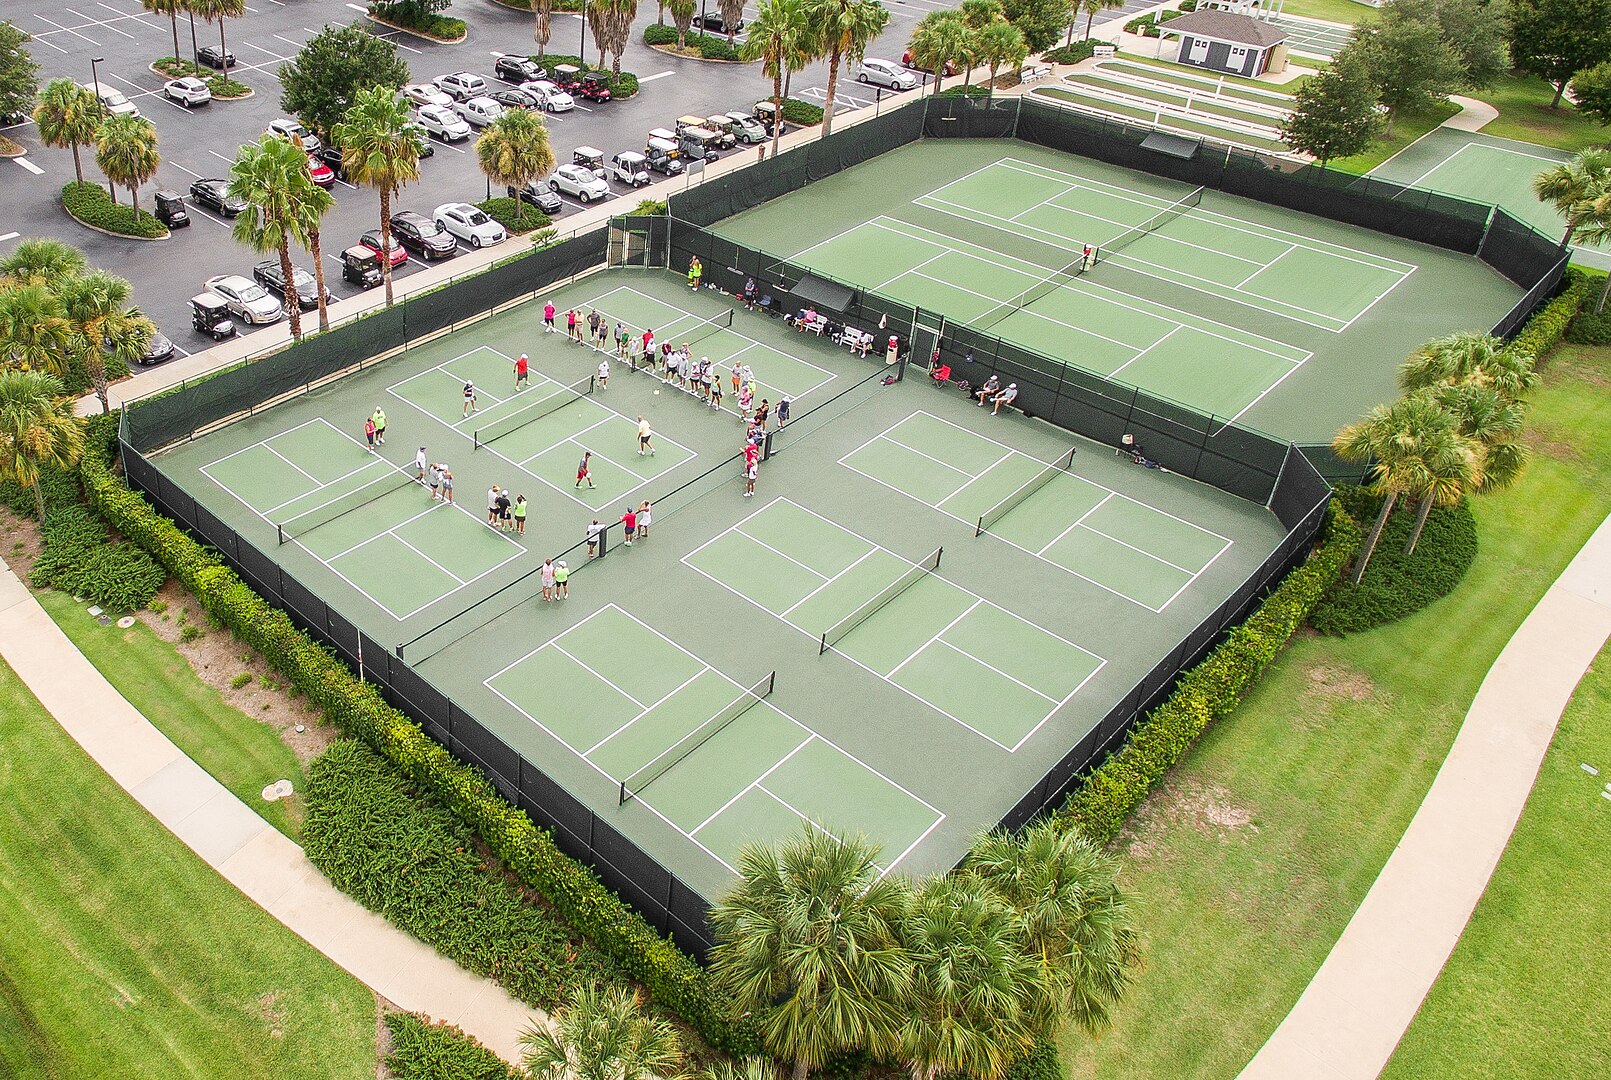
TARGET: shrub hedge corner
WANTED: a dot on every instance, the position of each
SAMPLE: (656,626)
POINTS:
(90,204)
(425,1050)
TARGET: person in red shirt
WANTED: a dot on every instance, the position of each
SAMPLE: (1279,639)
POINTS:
(629,524)
(522,371)
(548,317)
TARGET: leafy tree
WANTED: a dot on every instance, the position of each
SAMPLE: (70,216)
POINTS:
(271,176)
(1591,90)
(1556,39)
(218,11)
(19,74)
(38,261)
(602,1035)
(38,429)
(682,17)
(941,38)
(33,328)
(1411,64)
(845,29)
(170,8)
(321,82)
(1478,32)
(753,1068)
(543,28)
(1041,21)
(126,151)
(976,15)
(999,45)
(732,13)
(780,39)
(1334,113)
(100,323)
(809,939)
(1594,229)
(1090,8)
(380,150)
(514,149)
(1573,187)
(68,115)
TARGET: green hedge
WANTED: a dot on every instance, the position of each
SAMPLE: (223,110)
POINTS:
(1590,329)
(503,210)
(969,90)
(1147,25)
(1550,322)
(58,488)
(1397,584)
(671,976)
(622,85)
(1211,690)
(801,113)
(1041,1063)
(1073,54)
(406,13)
(407,857)
(224,88)
(424,1050)
(91,204)
(710,46)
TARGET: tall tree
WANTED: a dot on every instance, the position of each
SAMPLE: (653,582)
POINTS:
(998,45)
(42,261)
(1089,8)
(780,39)
(1072,919)
(322,81)
(513,150)
(33,328)
(306,226)
(732,14)
(682,17)
(1556,39)
(602,1035)
(543,27)
(751,1068)
(1477,31)
(100,323)
(1573,186)
(1594,229)
(380,150)
(845,28)
(941,38)
(271,176)
(1334,113)
(217,11)
(126,151)
(620,15)
(68,115)
(809,940)
(1041,21)
(1591,92)
(38,429)
(170,8)
(1411,64)
(19,73)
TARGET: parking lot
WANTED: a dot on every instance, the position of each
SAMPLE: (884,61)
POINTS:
(201,143)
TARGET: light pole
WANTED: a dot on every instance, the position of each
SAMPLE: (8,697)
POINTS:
(581,47)
(95,77)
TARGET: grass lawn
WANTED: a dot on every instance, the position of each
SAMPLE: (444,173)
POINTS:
(125,955)
(1253,857)
(1524,113)
(1407,127)
(240,753)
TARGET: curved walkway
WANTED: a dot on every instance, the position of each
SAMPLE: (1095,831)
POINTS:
(1359,1004)
(251,854)
(1474,115)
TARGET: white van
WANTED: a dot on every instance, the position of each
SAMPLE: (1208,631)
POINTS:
(886,73)
(112,100)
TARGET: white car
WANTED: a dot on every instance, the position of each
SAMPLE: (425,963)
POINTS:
(426,94)
(112,100)
(552,97)
(462,85)
(246,298)
(479,111)
(442,122)
(187,91)
(287,128)
(579,182)
(469,224)
(886,73)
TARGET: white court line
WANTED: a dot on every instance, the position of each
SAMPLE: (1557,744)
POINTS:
(971,477)
(783,555)
(647,709)
(554,644)
(291,463)
(1115,372)
(921,649)
(369,540)
(863,557)
(963,652)
(753,784)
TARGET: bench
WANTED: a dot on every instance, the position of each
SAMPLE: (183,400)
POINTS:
(1034,73)
(1104,52)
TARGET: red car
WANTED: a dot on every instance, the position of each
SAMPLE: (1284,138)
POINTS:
(321,173)
(371,240)
(950,65)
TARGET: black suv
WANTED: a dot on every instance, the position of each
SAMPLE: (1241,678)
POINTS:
(713,21)
(214,57)
(419,233)
(517,69)
(213,193)
(268,275)
(539,195)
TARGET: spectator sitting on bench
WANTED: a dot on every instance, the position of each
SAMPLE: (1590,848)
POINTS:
(941,373)
(804,320)
(991,385)
(1129,446)
(1006,397)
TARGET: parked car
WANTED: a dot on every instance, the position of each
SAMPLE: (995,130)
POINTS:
(397,253)
(361,266)
(553,99)
(461,85)
(629,167)
(885,73)
(269,275)
(422,235)
(442,122)
(742,127)
(469,223)
(579,183)
(595,86)
(214,193)
(516,69)
(906,59)
(245,299)
(330,158)
(516,98)
(112,100)
(286,128)
(712,20)
(187,91)
(170,209)
(320,173)
(539,195)
(425,94)
(423,137)
(158,348)
(214,57)
(479,111)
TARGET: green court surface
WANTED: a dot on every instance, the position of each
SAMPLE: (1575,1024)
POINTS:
(1284,322)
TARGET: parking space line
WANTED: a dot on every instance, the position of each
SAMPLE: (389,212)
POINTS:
(94,22)
(259,48)
(30,166)
(8,236)
(66,30)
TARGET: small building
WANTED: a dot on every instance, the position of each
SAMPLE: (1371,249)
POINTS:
(1226,42)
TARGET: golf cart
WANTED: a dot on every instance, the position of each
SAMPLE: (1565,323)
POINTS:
(210,315)
(595,86)
(591,159)
(766,114)
(724,141)
(361,266)
(700,142)
(568,77)
(629,167)
(661,156)
(171,209)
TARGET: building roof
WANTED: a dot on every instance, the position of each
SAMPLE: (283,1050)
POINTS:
(1226,26)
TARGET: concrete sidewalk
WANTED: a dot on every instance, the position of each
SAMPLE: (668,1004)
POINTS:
(1359,1004)
(245,849)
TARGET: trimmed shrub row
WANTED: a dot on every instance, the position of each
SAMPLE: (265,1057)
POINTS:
(507,212)
(671,976)
(710,46)
(801,113)
(1549,323)
(409,14)
(424,1050)
(80,559)
(1072,54)
(1211,690)
(622,85)
(91,204)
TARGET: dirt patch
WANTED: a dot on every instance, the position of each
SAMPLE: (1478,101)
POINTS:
(272,1010)
(1544,443)
(1207,808)
(20,544)
(1335,682)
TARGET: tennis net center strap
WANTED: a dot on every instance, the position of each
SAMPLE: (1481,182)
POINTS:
(340,506)
(1152,224)
(836,633)
(990,517)
(677,751)
(504,425)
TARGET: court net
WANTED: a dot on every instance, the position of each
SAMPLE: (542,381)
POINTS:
(701,330)
(1006,506)
(696,738)
(341,506)
(835,633)
(1152,224)
(504,425)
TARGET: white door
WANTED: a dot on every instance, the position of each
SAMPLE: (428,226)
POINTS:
(1237,61)
(1199,51)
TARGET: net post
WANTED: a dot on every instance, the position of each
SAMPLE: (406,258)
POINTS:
(978,528)
(771,683)
(766,446)
(623,794)
(1071,452)
(822,645)
(279,531)
(938,552)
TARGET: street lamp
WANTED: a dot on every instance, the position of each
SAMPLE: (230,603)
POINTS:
(581,48)
(95,77)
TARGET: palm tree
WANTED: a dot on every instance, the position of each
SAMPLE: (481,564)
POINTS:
(997,45)
(1479,359)
(779,39)
(1071,916)
(68,115)
(100,323)
(513,150)
(618,17)
(43,262)
(126,151)
(941,38)
(37,429)
(379,150)
(598,24)
(1574,185)
(305,225)
(271,176)
(217,10)
(844,28)
(732,14)
(33,329)
(543,28)
(752,1068)
(973,987)
(602,1035)
(682,17)
(978,14)
(170,8)
(809,940)
(1594,229)
(1090,7)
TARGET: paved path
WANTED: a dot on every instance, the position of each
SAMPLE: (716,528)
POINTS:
(1474,115)
(251,854)
(1359,1004)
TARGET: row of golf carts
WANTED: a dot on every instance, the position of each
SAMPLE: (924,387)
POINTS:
(669,150)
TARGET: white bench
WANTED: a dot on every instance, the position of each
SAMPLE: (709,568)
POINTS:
(1034,73)
(1104,52)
